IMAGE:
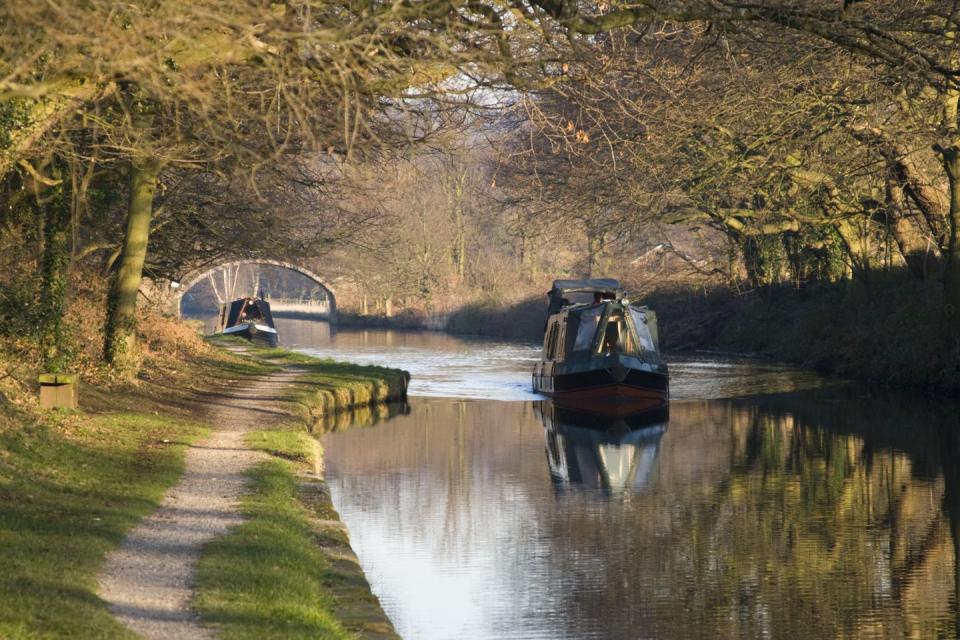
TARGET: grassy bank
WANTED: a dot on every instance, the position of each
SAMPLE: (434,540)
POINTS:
(327,387)
(72,483)
(288,571)
(328,393)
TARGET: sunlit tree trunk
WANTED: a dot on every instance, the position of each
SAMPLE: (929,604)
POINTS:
(857,246)
(122,350)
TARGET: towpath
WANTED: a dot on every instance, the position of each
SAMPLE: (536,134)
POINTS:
(149,581)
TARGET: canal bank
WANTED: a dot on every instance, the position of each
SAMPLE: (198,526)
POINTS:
(287,571)
(74,483)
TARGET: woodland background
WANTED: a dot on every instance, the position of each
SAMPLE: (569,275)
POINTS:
(780,177)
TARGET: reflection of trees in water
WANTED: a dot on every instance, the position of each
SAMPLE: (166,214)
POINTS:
(787,516)
(452,479)
(830,522)
(363,416)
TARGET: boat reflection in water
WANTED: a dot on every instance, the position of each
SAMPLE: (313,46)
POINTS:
(612,454)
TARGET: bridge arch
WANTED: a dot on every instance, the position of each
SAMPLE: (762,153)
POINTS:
(195,277)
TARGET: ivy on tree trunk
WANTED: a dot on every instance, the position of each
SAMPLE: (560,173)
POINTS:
(53,281)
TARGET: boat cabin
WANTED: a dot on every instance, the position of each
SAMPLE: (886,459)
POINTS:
(600,353)
(245,310)
(605,324)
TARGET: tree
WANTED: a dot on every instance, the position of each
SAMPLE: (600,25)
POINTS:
(166,86)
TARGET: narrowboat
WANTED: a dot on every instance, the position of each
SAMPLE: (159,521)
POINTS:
(600,353)
(248,318)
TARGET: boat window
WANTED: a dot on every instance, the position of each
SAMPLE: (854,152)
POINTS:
(643,330)
(570,332)
(551,350)
(587,328)
(617,337)
(251,312)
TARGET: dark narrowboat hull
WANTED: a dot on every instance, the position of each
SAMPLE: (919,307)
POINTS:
(570,417)
(250,332)
(612,392)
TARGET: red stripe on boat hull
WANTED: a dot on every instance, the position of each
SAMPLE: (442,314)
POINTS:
(612,399)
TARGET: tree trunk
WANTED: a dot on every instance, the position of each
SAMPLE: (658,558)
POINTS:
(902,168)
(857,247)
(916,250)
(122,350)
(459,249)
(951,281)
(53,281)
(594,246)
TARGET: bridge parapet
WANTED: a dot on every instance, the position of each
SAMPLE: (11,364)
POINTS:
(303,308)
(326,309)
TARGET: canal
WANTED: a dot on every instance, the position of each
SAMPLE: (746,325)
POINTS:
(771,504)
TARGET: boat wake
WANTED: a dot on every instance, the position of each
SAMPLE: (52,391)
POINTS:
(475,370)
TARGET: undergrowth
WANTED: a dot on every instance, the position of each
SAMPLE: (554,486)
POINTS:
(889,330)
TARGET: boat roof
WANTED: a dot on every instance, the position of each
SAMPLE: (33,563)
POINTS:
(608,287)
(589,285)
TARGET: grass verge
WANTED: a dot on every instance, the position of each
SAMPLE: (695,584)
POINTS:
(267,577)
(288,571)
(71,485)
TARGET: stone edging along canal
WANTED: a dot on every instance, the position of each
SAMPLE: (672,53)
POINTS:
(151,581)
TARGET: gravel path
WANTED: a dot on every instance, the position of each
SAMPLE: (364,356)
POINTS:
(149,580)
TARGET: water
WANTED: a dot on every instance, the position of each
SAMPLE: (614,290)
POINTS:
(772,504)
(440,365)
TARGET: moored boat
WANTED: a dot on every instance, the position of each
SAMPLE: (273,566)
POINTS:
(600,353)
(248,318)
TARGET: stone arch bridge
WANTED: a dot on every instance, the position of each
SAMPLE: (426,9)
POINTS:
(326,309)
